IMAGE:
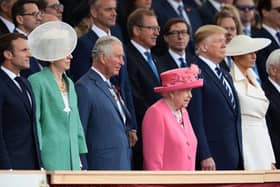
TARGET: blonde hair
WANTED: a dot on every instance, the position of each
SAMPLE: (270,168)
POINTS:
(205,31)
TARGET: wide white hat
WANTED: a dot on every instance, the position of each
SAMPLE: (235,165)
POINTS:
(242,44)
(52,41)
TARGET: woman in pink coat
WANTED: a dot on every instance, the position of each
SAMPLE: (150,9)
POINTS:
(169,142)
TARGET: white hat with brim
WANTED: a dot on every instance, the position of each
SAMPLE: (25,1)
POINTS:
(242,44)
(52,41)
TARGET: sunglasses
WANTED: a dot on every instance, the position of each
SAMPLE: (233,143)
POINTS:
(245,7)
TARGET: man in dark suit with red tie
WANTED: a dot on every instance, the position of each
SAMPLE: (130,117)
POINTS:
(19,147)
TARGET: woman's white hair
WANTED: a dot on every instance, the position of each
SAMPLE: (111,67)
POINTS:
(273,59)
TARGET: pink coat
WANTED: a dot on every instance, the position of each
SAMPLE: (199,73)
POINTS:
(166,144)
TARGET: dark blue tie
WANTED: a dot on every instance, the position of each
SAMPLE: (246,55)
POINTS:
(180,10)
(183,64)
(228,90)
(278,36)
(23,90)
(151,64)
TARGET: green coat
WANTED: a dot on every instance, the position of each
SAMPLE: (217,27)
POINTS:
(61,135)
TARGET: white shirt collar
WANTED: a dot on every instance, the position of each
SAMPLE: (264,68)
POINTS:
(140,48)
(99,32)
(9,24)
(216,4)
(271,31)
(176,57)
(100,74)
(211,64)
(21,31)
(275,84)
(11,74)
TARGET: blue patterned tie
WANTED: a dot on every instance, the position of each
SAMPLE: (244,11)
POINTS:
(182,62)
(246,31)
(226,86)
(180,10)
(151,64)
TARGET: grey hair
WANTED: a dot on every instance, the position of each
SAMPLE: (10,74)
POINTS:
(104,45)
(273,59)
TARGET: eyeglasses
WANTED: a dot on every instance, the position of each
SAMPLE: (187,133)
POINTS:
(57,7)
(276,8)
(153,28)
(245,7)
(177,33)
(34,14)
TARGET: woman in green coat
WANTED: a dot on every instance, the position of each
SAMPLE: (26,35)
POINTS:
(61,135)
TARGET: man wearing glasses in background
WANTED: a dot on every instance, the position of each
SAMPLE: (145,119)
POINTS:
(53,7)
(176,35)
(143,68)
(269,11)
(27,16)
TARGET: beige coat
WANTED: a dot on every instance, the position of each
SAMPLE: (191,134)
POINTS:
(257,147)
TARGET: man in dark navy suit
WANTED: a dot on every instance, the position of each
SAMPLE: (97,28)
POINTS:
(176,35)
(214,109)
(19,148)
(166,9)
(271,88)
(269,11)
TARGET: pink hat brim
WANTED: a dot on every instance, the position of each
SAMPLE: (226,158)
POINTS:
(195,84)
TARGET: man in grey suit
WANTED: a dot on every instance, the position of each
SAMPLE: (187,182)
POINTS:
(103,113)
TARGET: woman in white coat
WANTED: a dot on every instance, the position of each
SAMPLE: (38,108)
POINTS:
(257,148)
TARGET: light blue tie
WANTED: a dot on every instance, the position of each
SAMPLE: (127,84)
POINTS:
(255,69)
(246,31)
(151,64)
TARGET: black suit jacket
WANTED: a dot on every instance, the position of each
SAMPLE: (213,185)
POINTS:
(273,118)
(264,53)
(207,12)
(216,124)
(19,147)
(164,12)
(168,63)
(143,82)
(3,28)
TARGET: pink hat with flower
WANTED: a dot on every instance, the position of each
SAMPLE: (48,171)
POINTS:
(180,78)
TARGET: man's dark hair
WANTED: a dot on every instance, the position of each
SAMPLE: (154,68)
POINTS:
(6,43)
(136,19)
(264,5)
(173,21)
(18,8)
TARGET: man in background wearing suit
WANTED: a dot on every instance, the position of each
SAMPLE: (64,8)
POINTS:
(104,16)
(142,67)
(6,20)
(271,88)
(214,110)
(103,113)
(27,16)
(18,134)
(269,11)
(176,35)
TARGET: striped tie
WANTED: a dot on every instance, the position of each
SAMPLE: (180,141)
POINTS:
(226,86)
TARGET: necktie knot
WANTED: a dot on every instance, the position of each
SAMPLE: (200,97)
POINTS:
(182,62)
